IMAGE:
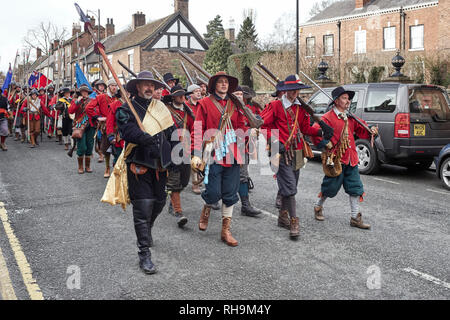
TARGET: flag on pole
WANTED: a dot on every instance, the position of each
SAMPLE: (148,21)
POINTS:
(81,79)
(38,78)
(7,81)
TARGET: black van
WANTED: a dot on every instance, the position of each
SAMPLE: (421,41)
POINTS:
(413,121)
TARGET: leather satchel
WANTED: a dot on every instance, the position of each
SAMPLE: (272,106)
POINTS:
(78,131)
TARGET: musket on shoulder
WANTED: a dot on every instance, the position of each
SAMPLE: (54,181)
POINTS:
(305,105)
(254,121)
(186,72)
(127,69)
(160,78)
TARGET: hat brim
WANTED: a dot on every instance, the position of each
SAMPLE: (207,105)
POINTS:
(351,95)
(85,89)
(293,87)
(233,83)
(131,85)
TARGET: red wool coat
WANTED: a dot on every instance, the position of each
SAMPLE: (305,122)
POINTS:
(111,124)
(75,108)
(351,155)
(100,106)
(208,117)
(275,119)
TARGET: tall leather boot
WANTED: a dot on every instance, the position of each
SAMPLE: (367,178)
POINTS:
(80,165)
(108,168)
(226,233)
(175,199)
(87,164)
(358,222)
(247,209)
(142,214)
(283,215)
(60,142)
(36,138)
(157,209)
(204,217)
(294,230)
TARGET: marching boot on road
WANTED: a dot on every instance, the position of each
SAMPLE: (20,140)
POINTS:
(292,121)
(341,146)
(148,157)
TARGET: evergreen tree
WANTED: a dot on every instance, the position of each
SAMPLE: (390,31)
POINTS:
(214,29)
(217,56)
(247,39)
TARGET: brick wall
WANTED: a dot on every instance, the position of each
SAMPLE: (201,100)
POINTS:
(435,39)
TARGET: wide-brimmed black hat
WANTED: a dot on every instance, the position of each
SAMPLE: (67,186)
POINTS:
(143,76)
(278,89)
(292,83)
(233,82)
(176,91)
(84,87)
(169,77)
(63,90)
(339,91)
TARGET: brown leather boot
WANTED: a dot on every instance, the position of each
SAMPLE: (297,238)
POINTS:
(80,165)
(283,219)
(196,189)
(107,172)
(87,164)
(318,213)
(358,222)
(204,217)
(175,198)
(295,228)
(33,143)
(226,233)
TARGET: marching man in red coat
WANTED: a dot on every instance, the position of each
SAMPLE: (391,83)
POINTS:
(342,148)
(222,176)
(285,121)
(33,107)
(98,110)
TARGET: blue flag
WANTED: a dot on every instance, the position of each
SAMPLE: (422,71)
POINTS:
(81,79)
(7,80)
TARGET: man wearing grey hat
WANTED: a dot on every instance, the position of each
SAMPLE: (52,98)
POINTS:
(98,110)
(148,156)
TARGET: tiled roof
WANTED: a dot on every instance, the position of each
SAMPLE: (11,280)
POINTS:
(347,8)
(141,34)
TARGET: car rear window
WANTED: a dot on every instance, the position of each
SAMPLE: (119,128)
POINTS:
(381,100)
(429,101)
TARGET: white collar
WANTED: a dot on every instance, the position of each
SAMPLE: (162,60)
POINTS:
(338,112)
(287,104)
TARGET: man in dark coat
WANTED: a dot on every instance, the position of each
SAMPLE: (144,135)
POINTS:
(148,161)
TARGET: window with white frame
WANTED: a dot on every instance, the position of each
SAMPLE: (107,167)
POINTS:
(131,60)
(360,41)
(328,44)
(389,38)
(416,37)
(310,46)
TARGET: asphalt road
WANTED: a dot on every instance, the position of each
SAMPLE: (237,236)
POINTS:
(79,248)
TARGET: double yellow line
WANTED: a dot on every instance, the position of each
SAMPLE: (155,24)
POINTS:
(6,287)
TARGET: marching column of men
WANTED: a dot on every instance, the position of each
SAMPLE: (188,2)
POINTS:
(170,136)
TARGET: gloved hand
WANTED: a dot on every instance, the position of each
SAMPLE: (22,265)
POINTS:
(196,162)
(327,131)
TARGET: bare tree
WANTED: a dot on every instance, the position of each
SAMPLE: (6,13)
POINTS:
(283,36)
(43,36)
(318,7)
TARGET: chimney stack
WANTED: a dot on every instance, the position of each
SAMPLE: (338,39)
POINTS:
(359,4)
(183,7)
(38,53)
(138,20)
(76,28)
(110,30)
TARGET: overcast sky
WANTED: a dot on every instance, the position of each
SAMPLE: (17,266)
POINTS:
(19,16)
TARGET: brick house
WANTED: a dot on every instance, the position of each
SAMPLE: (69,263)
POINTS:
(356,35)
(155,44)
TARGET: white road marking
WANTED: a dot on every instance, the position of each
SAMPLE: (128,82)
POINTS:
(388,181)
(428,277)
(267,213)
(440,192)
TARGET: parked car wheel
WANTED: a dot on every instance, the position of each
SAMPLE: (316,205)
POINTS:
(420,165)
(445,173)
(368,159)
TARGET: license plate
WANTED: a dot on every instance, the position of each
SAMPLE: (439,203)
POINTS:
(419,129)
